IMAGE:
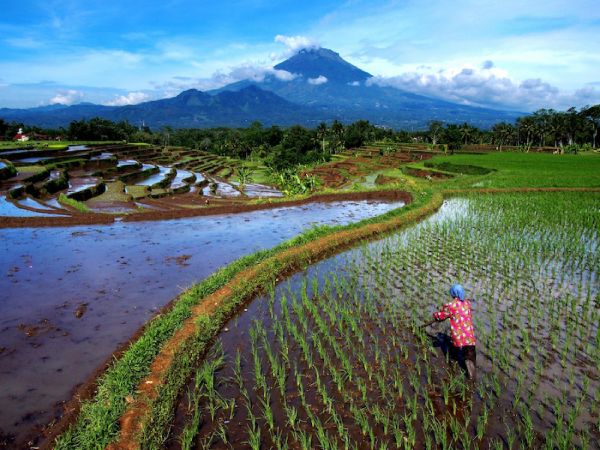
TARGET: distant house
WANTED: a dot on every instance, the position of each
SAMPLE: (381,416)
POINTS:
(20,136)
(39,137)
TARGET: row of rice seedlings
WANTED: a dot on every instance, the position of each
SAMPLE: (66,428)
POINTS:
(345,360)
(510,339)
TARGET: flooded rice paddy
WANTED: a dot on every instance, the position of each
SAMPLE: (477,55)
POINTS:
(110,179)
(72,295)
(335,357)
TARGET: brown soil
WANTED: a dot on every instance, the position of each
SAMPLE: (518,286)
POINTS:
(32,330)
(80,310)
(180,260)
(78,219)
(338,173)
(382,179)
(426,174)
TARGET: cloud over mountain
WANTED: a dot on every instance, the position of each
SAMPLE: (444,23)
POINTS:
(67,97)
(132,98)
(486,85)
(296,43)
(220,78)
(317,81)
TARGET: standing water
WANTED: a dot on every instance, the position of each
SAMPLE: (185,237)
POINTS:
(72,295)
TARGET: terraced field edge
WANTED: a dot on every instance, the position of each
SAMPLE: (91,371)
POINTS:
(95,421)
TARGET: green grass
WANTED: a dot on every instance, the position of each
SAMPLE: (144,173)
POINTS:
(31,169)
(115,192)
(79,206)
(523,170)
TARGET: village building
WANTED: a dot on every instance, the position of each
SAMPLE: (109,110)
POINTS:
(20,136)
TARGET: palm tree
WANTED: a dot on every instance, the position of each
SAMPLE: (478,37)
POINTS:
(501,133)
(338,133)
(555,127)
(541,118)
(593,117)
(526,126)
(322,133)
(244,175)
(466,131)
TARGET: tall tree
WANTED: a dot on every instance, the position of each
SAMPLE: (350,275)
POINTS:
(526,128)
(592,115)
(466,132)
(541,118)
(502,133)
(322,134)
(337,130)
(435,128)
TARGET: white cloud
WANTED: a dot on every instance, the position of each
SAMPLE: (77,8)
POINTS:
(253,72)
(245,71)
(132,98)
(283,75)
(488,86)
(317,81)
(67,97)
(296,43)
(354,83)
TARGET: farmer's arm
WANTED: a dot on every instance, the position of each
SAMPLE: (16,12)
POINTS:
(444,313)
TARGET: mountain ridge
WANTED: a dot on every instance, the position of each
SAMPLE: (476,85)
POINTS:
(322,87)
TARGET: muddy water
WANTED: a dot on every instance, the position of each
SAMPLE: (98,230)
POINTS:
(157,178)
(178,180)
(70,296)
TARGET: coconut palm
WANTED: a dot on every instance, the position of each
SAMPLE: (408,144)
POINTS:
(322,133)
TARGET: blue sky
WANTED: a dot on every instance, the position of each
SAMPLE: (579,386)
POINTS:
(511,54)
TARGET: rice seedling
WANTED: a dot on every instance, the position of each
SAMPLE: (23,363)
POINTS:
(338,360)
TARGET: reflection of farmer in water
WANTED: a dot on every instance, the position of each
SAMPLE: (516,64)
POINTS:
(461,323)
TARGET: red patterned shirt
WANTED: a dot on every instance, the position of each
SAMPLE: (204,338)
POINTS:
(461,322)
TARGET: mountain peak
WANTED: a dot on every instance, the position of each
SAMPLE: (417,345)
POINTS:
(322,62)
(189,93)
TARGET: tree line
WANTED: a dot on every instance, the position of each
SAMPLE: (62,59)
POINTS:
(545,127)
(281,147)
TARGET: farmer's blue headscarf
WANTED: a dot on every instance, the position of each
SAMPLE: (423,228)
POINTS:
(457,291)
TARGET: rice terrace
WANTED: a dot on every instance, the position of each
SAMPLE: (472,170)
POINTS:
(317,343)
(216,235)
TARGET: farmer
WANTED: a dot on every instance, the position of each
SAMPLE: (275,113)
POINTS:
(461,323)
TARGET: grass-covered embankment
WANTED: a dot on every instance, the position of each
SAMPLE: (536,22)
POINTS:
(97,423)
(75,204)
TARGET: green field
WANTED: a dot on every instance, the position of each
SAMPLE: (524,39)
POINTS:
(336,359)
(513,251)
(524,170)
